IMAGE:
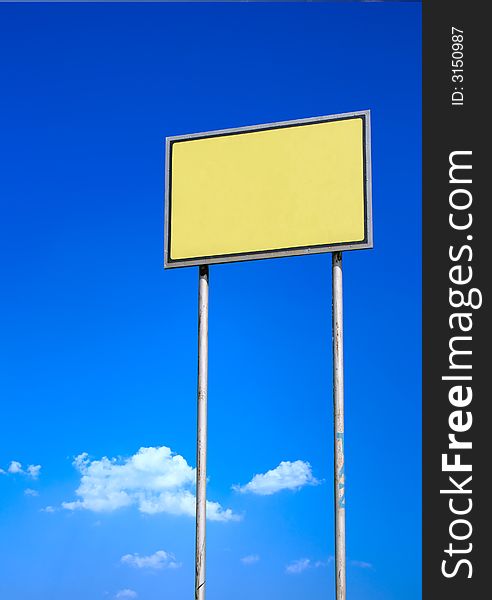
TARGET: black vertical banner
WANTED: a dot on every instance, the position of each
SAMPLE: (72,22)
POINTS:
(457,356)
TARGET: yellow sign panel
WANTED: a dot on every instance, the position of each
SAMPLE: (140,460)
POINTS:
(281,189)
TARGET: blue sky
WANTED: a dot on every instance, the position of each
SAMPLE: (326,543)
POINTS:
(98,351)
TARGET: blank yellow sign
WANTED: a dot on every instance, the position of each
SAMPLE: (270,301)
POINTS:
(273,190)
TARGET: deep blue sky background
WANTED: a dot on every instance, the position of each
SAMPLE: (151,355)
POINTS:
(98,350)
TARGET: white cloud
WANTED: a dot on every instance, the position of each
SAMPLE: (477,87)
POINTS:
(287,476)
(15,468)
(302,564)
(298,566)
(33,471)
(154,479)
(159,560)
(48,509)
(126,593)
(361,564)
(30,492)
(251,559)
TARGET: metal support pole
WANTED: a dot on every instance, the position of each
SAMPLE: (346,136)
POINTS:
(339,427)
(201,445)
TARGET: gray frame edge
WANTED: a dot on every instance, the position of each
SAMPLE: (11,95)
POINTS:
(329,248)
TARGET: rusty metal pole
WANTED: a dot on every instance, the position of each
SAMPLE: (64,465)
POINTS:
(339,426)
(201,447)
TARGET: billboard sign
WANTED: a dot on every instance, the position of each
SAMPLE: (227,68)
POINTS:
(272,190)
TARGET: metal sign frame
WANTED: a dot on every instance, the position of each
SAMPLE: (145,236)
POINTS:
(367,242)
